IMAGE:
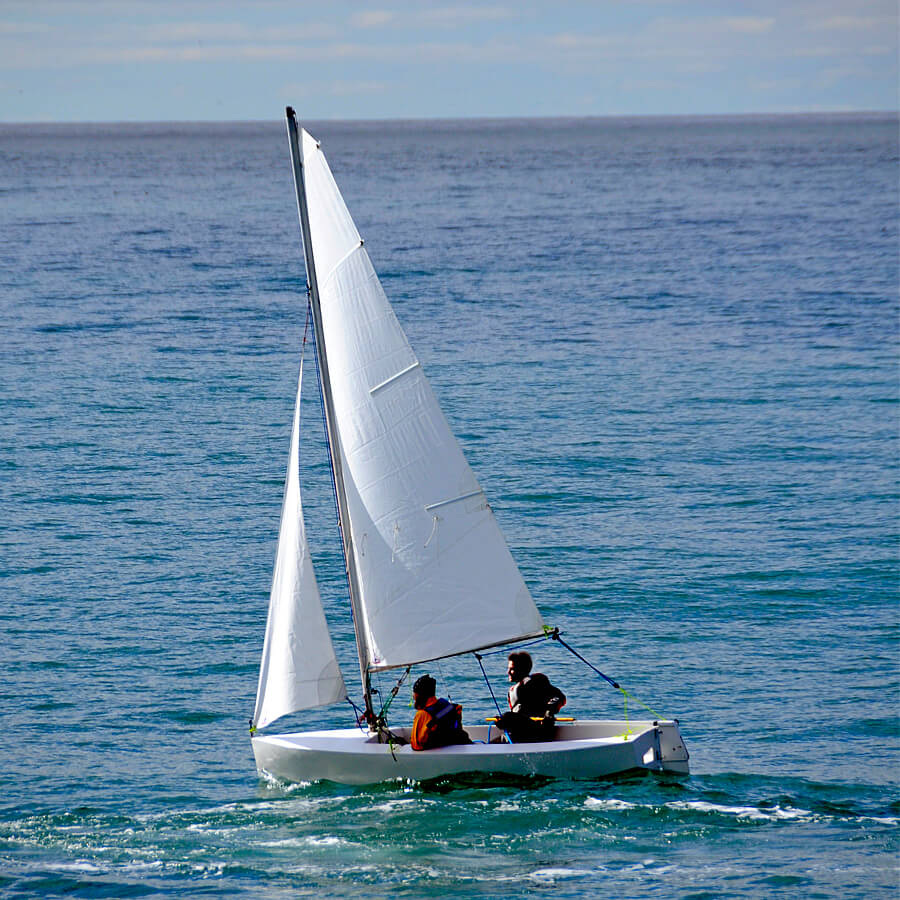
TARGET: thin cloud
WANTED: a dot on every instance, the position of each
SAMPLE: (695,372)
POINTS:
(854,23)
(415,53)
(440,17)
(747,25)
(461,15)
(668,37)
(588,42)
(334,88)
(19,29)
(204,54)
(837,51)
(350,88)
(219,32)
(701,32)
(376,18)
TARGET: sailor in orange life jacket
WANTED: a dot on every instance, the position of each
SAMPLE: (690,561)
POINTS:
(438,722)
(530,697)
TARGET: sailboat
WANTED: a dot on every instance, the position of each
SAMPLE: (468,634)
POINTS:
(428,570)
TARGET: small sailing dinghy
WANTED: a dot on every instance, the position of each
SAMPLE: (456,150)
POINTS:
(428,570)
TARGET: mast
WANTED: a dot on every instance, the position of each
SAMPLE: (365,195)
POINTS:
(334,448)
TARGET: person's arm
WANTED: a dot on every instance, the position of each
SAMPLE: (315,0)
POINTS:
(555,701)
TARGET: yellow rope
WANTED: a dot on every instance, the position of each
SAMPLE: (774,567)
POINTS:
(627,729)
(656,715)
(625,696)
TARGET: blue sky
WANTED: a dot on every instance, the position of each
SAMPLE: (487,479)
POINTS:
(152,60)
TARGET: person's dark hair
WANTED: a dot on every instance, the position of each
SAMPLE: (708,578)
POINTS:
(522,661)
(425,686)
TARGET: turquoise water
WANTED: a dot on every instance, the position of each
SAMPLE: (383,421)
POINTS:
(669,349)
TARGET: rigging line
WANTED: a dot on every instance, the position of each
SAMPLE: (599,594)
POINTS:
(337,514)
(308,319)
(359,716)
(627,726)
(506,647)
(641,702)
(380,721)
(554,635)
(394,690)
(487,682)
(296,137)
(334,494)
(440,669)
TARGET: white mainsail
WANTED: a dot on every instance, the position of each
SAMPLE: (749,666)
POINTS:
(435,575)
(299,669)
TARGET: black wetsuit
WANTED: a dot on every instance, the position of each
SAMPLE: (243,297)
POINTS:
(532,697)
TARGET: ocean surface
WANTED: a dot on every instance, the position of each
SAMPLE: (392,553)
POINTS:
(669,348)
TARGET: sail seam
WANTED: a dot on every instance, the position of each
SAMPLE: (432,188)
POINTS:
(432,506)
(393,378)
(340,262)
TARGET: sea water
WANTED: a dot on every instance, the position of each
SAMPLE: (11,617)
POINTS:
(669,350)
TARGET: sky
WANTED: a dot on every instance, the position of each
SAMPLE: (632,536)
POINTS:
(187,60)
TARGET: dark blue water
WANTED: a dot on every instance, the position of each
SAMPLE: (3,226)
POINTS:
(669,349)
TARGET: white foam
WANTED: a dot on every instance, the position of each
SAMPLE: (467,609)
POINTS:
(508,806)
(742,812)
(309,841)
(610,803)
(327,841)
(154,865)
(391,805)
(80,866)
(549,875)
(881,820)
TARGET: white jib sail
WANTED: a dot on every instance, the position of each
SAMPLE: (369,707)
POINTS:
(299,669)
(435,573)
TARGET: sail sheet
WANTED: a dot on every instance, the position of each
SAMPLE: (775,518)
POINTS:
(436,576)
(299,669)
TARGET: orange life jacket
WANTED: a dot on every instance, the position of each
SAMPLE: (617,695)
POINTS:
(438,724)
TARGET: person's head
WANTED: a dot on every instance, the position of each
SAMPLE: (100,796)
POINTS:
(518,665)
(423,691)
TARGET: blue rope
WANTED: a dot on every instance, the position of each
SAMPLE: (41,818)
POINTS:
(487,682)
(505,648)
(359,716)
(555,636)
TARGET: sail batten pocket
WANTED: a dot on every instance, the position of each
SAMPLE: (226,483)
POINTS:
(393,378)
(432,506)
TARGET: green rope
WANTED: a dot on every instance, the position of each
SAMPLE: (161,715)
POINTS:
(394,690)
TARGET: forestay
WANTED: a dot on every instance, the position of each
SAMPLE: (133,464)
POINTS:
(436,577)
(299,669)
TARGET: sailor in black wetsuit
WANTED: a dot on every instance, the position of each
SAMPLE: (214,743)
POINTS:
(531,697)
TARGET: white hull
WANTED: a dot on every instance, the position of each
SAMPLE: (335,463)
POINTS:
(589,749)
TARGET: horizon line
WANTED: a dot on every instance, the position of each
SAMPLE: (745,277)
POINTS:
(474,118)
